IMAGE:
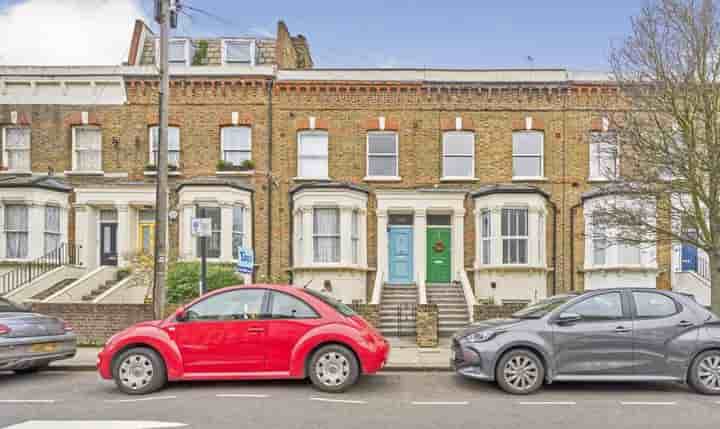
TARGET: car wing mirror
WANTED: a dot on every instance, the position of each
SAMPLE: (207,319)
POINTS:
(181,316)
(567,318)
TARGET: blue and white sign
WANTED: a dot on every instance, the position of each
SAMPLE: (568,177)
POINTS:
(246,260)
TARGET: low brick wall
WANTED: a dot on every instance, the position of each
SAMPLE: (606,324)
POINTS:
(427,325)
(491,311)
(95,323)
(369,312)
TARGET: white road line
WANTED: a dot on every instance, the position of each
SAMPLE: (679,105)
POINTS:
(154,398)
(241,395)
(550,403)
(647,403)
(339,401)
(27,401)
(440,402)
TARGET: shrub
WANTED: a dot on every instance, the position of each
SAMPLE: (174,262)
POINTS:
(184,279)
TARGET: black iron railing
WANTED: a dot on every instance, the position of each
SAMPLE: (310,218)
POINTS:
(65,254)
(405,319)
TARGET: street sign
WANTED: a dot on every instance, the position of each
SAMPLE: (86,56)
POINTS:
(201,227)
(246,260)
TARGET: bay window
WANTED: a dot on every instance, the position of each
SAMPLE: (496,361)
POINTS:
(16,148)
(326,235)
(355,236)
(382,154)
(52,228)
(87,148)
(213,242)
(16,231)
(486,236)
(458,154)
(514,229)
(528,154)
(313,154)
(236,144)
(238,231)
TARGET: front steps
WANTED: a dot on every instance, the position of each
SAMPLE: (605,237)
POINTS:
(398,310)
(52,289)
(99,290)
(452,308)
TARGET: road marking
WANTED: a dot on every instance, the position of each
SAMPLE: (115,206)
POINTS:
(154,398)
(94,424)
(241,395)
(550,403)
(27,401)
(339,401)
(647,403)
(440,402)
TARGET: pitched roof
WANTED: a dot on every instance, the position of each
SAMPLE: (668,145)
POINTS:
(508,189)
(44,182)
(329,185)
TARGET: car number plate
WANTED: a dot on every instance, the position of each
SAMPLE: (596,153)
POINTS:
(44,348)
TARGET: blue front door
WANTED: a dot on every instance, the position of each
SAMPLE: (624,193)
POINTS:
(689,258)
(401,254)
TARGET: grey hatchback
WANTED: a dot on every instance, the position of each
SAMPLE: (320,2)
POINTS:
(30,341)
(602,335)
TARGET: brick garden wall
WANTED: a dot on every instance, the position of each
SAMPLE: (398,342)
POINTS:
(491,311)
(95,323)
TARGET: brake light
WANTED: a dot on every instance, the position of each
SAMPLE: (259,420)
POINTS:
(4,330)
(67,327)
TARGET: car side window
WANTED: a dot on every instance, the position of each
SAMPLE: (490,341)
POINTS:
(285,306)
(649,304)
(607,306)
(237,304)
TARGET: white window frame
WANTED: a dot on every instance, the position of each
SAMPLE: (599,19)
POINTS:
(57,234)
(151,154)
(214,231)
(396,155)
(235,232)
(338,236)
(224,56)
(6,158)
(517,238)
(74,148)
(300,157)
(16,231)
(445,155)
(355,236)
(486,237)
(595,240)
(188,50)
(222,142)
(595,158)
(541,155)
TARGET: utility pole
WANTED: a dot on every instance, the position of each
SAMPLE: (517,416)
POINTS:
(163,15)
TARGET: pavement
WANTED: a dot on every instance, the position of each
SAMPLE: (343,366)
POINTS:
(398,400)
(404,356)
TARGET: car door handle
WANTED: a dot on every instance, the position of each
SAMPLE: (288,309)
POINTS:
(622,330)
(257,330)
(685,324)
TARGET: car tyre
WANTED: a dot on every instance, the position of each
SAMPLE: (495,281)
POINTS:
(139,371)
(520,372)
(333,369)
(704,374)
(30,370)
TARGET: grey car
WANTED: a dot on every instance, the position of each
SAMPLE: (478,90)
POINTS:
(602,335)
(30,341)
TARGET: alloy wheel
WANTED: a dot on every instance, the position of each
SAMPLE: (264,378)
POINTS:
(332,369)
(521,372)
(136,371)
(709,372)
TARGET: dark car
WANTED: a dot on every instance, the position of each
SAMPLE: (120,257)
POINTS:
(30,341)
(602,335)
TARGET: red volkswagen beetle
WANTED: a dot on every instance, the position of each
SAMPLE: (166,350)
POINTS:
(243,333)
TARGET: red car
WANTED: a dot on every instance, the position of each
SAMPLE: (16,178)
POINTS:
(247,333)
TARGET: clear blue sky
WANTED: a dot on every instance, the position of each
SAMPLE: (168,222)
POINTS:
(498,33)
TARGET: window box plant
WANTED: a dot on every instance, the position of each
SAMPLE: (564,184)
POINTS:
(246,165)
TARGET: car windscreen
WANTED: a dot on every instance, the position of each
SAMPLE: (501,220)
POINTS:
(7,306)
(332,302)
(541,308)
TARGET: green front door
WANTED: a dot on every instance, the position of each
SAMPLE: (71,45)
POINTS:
(438,255)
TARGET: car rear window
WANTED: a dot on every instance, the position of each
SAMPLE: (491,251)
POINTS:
(332,302)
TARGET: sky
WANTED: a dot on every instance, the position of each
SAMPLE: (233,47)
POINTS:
(577,34)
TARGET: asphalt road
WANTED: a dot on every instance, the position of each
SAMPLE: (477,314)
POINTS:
(389,400)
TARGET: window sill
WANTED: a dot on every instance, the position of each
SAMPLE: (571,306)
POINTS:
(529,179)
(154,173)
(319,179)
(330,267)
(16,172)
(620,268)
(509,268)
(84,173)
(235,173)
(458,179)
(599,179)
(382,179)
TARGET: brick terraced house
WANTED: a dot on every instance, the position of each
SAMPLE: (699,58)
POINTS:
(387,186)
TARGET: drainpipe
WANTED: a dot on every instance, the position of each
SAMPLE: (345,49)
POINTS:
(572,245)
(269,179)
(554,250)
(291,249)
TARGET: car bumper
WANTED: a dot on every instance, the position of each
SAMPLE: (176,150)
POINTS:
(376,360)
(103,364)
(473,360)
(22,353)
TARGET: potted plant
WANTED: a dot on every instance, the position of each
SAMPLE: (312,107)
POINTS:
(247,165)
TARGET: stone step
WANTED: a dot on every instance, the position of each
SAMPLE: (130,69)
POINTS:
(53,289)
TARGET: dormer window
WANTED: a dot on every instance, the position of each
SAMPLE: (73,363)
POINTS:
(238,51)
(178,51)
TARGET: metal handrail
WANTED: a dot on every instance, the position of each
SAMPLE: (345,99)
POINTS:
(65,254)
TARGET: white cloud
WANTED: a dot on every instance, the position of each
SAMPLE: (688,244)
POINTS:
(67,32)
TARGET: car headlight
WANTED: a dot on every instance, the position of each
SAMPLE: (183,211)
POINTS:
(480,337)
